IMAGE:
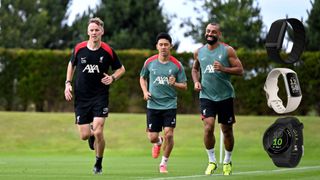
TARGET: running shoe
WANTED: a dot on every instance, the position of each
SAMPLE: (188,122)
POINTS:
(227,168)
(156,150)
(163,169)
(211,168)
(97,170)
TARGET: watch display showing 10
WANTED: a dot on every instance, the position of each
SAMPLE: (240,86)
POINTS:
(283,141)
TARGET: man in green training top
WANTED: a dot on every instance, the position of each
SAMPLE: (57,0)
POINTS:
(160,76)
(216,61)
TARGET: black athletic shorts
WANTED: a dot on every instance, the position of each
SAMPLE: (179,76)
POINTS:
(86,110)
(158,119)
(224,110)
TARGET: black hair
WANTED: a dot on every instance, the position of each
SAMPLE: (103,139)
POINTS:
(215,24)
(164,35)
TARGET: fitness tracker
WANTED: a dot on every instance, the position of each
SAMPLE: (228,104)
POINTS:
(283,141)
(113,78)
(292,86)
(275,38)
(68,81)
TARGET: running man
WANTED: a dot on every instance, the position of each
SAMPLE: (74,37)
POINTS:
(216,61)
(160,76)
(92,60)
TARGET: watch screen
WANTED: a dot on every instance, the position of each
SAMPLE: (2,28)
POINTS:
(278,140)
(293,84)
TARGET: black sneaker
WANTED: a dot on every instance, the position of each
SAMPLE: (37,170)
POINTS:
(97,170)
(91,142)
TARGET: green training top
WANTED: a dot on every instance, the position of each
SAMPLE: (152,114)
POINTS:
(163,96)
(216,85)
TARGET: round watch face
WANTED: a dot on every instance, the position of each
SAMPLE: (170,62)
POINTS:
(277,140)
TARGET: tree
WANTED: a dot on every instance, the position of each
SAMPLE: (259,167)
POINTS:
(240,22)
(128,23)
(33,24)
(79,28)
(313,22)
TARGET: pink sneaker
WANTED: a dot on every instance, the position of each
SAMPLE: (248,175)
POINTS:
(163,169)
(156,149)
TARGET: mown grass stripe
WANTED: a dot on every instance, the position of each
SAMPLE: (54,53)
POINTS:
(241,173)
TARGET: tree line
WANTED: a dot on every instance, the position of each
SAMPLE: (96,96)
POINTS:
(35,24)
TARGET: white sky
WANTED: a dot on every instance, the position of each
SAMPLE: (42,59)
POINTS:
(271,10)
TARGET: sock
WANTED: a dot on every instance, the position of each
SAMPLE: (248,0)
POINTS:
(98,162)
(211,155)
(160,141)
(164,161)
(227,156)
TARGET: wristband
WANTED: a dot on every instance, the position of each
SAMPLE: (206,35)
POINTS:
(275,38)
(292,86)
(68,81)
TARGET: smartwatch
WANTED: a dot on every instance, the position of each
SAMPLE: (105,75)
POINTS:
(283,141)
(275,38)
(292,86)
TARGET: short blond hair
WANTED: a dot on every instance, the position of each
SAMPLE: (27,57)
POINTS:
(96,20)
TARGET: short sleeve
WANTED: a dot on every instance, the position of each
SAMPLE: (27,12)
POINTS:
(144,71)
(73,58)
(181,77)
(116,64)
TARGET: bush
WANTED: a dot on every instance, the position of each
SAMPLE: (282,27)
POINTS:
(34,80)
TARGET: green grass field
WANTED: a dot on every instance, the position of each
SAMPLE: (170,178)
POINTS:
(47,146)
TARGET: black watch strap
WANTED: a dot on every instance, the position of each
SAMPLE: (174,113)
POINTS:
(68,81)
(293,158)
(275,37)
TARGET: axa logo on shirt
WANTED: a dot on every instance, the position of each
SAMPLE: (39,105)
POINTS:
(209,69)
(161,80)
(91,68)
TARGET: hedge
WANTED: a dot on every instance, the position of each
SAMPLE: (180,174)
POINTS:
(33,80)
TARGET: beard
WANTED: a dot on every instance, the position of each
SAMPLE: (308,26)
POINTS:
(213,41)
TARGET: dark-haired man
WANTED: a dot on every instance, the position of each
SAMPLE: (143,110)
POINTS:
(160,76)
(92,60)
(216,61)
